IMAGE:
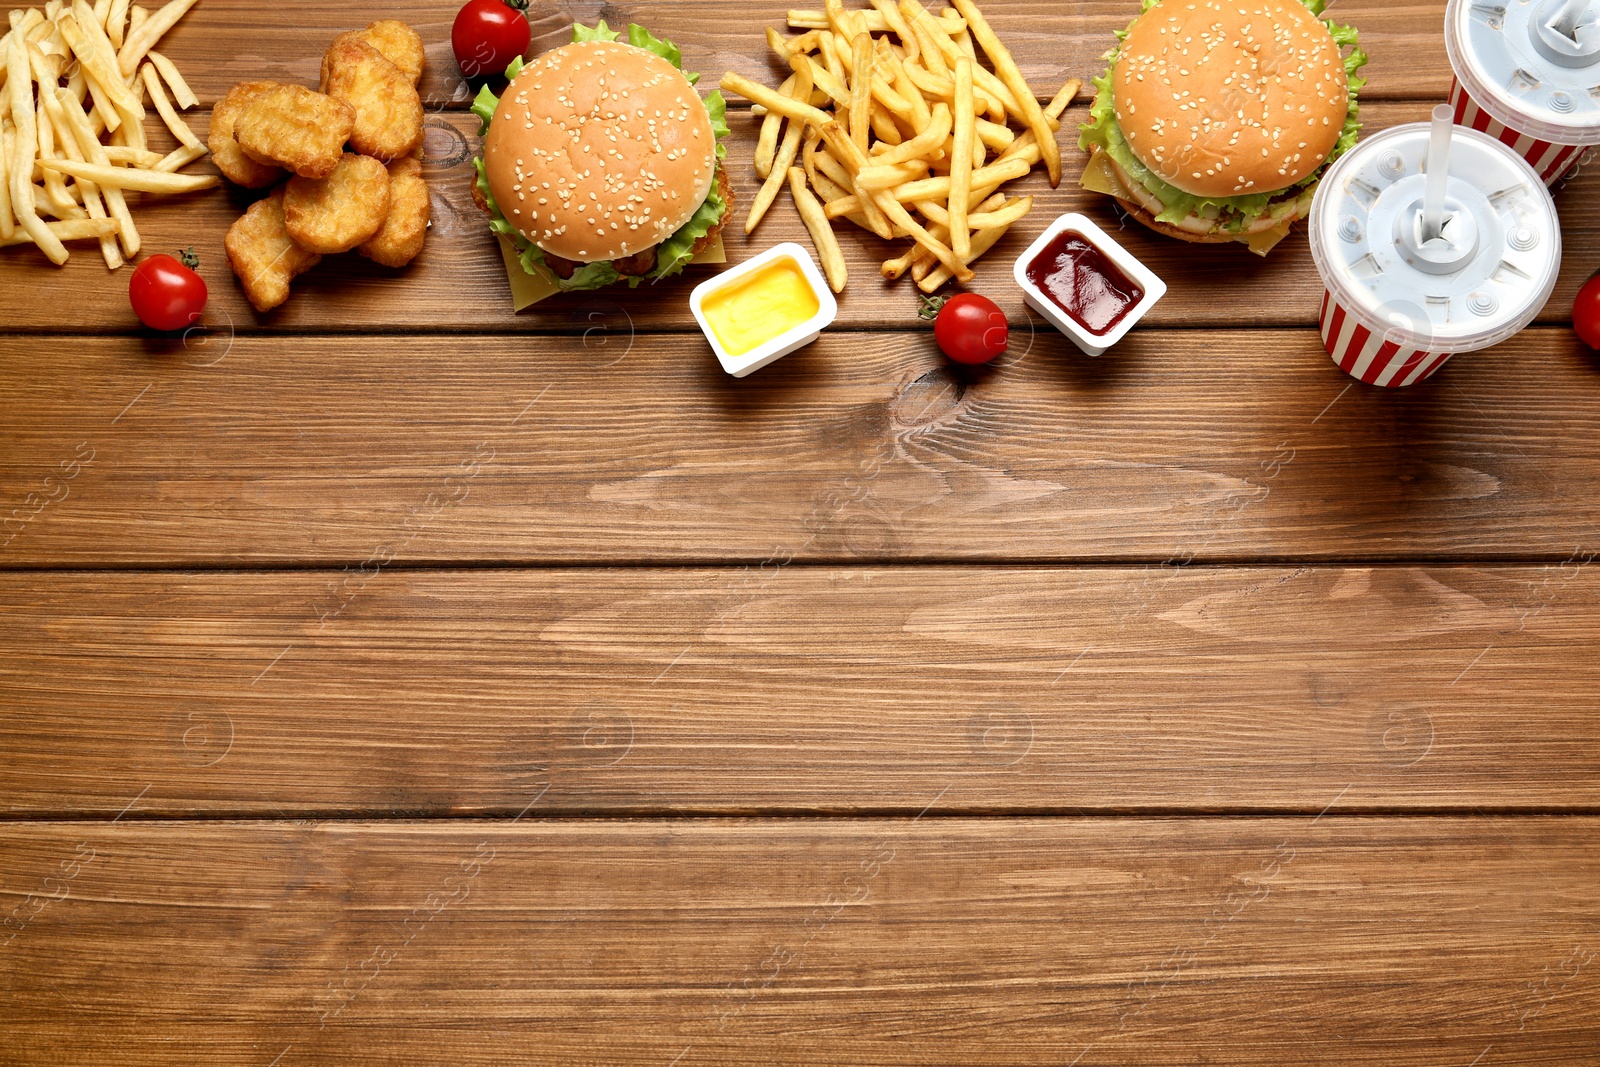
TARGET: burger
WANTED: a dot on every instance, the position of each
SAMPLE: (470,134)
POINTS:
(1216,118)
(601,163)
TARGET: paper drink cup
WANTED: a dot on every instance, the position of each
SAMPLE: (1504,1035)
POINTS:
(1527,73)
(1395,307)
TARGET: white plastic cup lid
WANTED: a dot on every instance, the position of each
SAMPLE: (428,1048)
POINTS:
(1481,283)
(1514,60)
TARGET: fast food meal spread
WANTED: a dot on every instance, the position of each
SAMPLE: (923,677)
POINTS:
(601,162)
(905,121)
(1214,121)
(1528,74)
(105,54)
(347,158)
(1217,118)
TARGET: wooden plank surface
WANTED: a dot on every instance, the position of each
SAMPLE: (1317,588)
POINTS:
(802,689)
(1329,797)
(458,285)
(1217,445)
(1277,942)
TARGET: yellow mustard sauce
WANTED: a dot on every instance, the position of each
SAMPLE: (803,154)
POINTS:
(758,307)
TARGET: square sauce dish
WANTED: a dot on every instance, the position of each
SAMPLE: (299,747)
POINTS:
(1088,286)
(764,308)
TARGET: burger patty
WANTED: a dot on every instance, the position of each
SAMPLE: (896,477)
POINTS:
(640,264)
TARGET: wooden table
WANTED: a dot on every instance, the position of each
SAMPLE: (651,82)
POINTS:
(401,680)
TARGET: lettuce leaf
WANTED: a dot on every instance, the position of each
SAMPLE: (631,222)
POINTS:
(1233,213)
(483,106)
(717,108)
(673,254)
(602,32)
(640,37)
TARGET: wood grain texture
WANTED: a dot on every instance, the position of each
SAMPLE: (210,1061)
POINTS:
(459,285)
(1329,797)
(222,42)
(1369,942)
(802,689)
(1212,445)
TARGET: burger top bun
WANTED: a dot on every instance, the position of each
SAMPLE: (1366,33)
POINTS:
(599,151)
(1228,97)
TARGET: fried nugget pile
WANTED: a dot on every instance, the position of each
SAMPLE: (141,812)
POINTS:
(348,158)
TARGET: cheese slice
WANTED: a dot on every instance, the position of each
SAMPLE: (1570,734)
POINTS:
(528,289)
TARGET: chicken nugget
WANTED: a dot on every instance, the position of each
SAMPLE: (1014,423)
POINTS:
(230,159)
(336,213)
(398,43)
(388,110)
(400,239)
(263,255)
(295,128)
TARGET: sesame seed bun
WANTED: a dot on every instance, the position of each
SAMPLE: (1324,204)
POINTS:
(599,151)
(1222,98)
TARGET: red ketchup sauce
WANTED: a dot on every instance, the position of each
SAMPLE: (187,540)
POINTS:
(1082,281)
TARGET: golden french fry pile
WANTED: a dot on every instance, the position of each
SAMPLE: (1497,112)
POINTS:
(889,111)
(69,152)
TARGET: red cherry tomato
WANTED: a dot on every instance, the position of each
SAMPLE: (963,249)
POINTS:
(971,329)
(1586,313)
(488,35)
(167,294)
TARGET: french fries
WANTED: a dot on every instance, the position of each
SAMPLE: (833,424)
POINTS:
(1006,67)
(71,230)
(801,90)
(143,181)
(961,159)
(53,163)
(772,101)
(891,120)
(821,230)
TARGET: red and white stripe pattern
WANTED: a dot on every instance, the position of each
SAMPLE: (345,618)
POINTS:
(1550,160)
(1366,355)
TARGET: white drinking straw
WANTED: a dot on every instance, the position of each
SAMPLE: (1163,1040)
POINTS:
(1566,23)
(1438,172)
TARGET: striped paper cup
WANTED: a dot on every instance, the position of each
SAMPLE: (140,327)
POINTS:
(1551,160)
(1527,74)
(1363,348)
(1396,306)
